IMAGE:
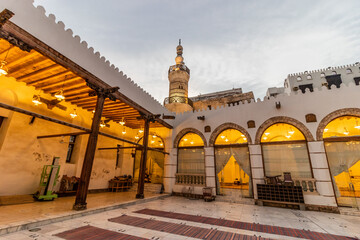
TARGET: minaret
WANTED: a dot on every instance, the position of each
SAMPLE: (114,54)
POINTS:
(179,76)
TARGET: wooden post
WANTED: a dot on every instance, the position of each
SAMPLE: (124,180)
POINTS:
(140,190)
(81,194)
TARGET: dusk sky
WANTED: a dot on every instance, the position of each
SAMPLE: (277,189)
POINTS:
(227,44)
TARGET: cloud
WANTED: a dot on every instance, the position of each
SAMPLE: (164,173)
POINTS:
(231,43)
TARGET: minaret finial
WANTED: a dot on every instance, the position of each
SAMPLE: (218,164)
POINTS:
(179,41)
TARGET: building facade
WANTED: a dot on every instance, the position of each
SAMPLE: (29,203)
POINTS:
(231,147)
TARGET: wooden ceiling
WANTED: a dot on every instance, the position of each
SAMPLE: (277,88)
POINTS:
(41,72)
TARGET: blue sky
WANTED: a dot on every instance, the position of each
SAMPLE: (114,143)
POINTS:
(230,43)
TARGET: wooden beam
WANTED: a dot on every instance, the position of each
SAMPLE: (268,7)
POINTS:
(112,148)
(81,194)
(23,111)
(47,78)
(140,190)
(26,64)
(32,42)
(50,67)
(68,82)
(62,135)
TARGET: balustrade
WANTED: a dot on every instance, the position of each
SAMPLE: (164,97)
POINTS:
(190,179)
(308,184)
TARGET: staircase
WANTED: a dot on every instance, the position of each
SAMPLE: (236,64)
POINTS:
(149,187)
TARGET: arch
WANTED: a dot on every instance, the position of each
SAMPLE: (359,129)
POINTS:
(282,119)
(151,134)
(226,126)
(333,115)
(185,131)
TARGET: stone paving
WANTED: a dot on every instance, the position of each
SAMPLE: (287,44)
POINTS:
(329,223)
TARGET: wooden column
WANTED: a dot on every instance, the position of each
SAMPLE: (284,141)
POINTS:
(140,190)
(81,194)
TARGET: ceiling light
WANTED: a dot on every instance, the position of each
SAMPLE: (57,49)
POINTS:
(161,144)
(191,142)
(140,130)
(73,114)
(357,126)
(346,132)
(325,130)
(124,131)
(267,133)
(222,136)
(152,141)
(226,140)
(291,131)
(3,69)
(288,136)
(60,95)
(242,135)
(264,138)
(36,100)
(102,124)
(122,122)
(244,138)
(185,139)
(137,137)
(154,136)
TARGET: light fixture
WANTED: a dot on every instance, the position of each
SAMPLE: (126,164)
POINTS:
(36,100)
(3,69)
(245,138)
(267,133)
(122,122)
(288,136)
(185,139)
(226,140)
(357,126)
(124,131)
(152,141)
(222,136)
(102,124)
(191,142)
(60,95)
(73,114)
(137,137)
(346,132)
(154,136)
(264,138)
(140,130)
(325,130)
(93,111)
(242,135)
(291,131)
(161,144)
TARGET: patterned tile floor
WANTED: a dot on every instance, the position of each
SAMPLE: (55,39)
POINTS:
(305,220)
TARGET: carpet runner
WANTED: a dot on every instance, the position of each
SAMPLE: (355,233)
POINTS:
(291,232)
(182,229)
(94,233)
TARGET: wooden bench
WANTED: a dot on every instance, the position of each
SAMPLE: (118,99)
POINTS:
(120,185)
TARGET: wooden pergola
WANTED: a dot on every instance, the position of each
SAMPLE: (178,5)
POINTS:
(33,62)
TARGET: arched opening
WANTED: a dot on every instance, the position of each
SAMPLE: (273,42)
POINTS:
(154,170)
(285,151)
(342,144)
(191,157)
(232,164)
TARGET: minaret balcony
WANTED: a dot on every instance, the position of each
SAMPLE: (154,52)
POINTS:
(178,99)
(179,67)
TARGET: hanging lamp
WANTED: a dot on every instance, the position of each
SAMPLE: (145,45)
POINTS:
(122,122)
(73,114)
(3,69)
(36,100)
(59,95)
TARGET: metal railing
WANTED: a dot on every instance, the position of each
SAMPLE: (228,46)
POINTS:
(190,179)
(178,99)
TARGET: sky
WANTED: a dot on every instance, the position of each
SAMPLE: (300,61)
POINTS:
(227,44)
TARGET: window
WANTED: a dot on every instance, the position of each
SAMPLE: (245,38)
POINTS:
(70,148)
(333,72)
(287,153)
(298,79)
(322,75)
(334,80)
(191,157)
(309,77)
(348,71)
(306,86)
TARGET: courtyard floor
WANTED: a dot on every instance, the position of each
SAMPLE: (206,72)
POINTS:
(181,218)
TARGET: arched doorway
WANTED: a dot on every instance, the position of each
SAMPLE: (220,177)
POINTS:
(154,170)
(342,144)
(232,163)
(191,157)
(284,150)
